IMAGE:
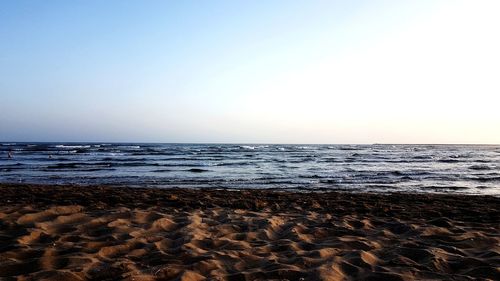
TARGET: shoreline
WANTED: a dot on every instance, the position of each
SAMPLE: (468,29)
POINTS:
(254,199)
(108,233)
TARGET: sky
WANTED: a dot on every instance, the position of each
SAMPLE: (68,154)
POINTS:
(250,71)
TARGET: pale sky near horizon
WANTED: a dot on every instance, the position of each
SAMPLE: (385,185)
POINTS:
(250,71)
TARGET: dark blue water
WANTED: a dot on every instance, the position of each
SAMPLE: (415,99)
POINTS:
(472,169)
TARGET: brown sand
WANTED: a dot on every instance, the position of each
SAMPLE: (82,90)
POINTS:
(105,233)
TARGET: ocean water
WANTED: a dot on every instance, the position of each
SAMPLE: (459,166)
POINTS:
(469,169)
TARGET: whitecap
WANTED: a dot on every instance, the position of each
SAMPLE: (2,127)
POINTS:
(247,147)
(72,146)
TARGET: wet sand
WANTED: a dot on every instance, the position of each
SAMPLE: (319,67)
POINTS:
(114,233)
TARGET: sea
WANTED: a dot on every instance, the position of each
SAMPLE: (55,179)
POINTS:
(463,169)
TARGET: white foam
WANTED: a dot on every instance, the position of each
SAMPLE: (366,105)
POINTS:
(130,146)
(247,147)
(72,146)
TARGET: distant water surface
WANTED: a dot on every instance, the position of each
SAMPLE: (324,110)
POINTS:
(471,169)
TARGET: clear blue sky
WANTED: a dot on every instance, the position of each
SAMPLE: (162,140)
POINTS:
(250,71)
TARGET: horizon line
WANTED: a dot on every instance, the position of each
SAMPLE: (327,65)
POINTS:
(243,143)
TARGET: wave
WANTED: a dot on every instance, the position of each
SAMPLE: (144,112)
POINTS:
(304,147)
(13,164)
(90,169)
(349,148)
(485,179)
(233,164)
(8,144)
(447,160)
(71,146)
(129,159)
(311,176)
(250,147)
(11,168)
(197,170)
(192,159)
(152,153)
(247,147)
(423,157)
(331,181)
(129,146)
(480,167)
(161,171)
(330,160)
(483,161)
(303,160)
(181,165)
(76,165)
(448,187)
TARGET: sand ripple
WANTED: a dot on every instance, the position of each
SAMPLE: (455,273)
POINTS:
(76,242)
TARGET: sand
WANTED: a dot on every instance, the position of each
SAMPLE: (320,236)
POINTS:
(108,233)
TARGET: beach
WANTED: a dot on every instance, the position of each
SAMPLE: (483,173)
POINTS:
(249,140)
(51,232)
